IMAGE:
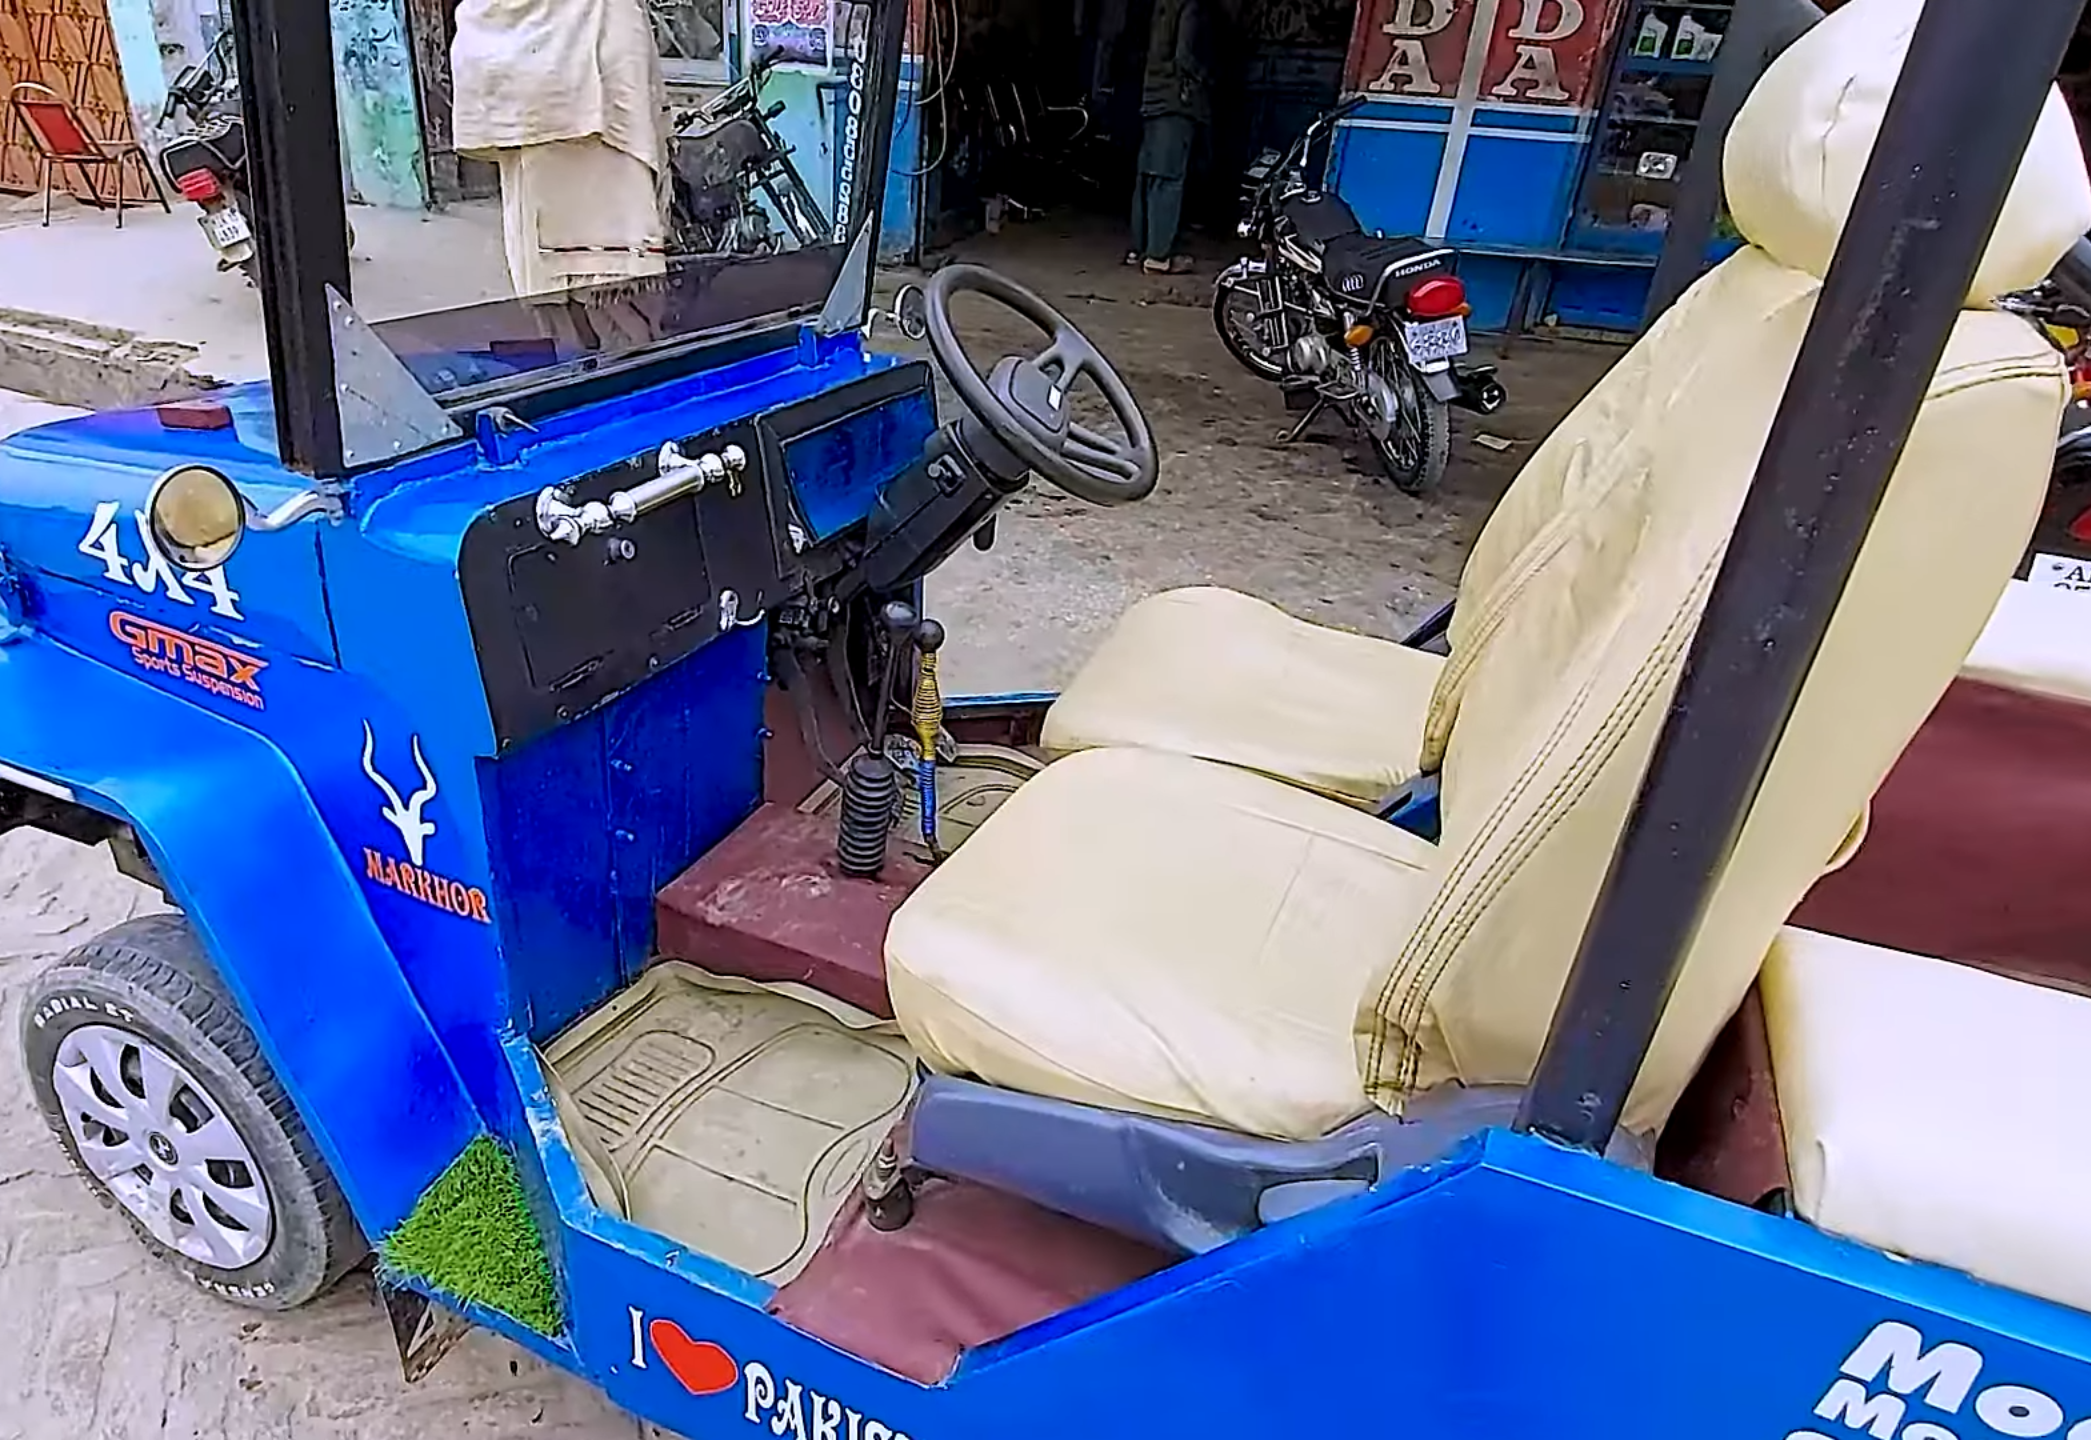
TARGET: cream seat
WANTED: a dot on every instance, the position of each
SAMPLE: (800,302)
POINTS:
(2038,640)
(1224,676)
(1935,1110)
(1153,934)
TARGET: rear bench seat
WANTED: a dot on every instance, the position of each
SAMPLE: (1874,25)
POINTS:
(2038,640)
(1935,1110)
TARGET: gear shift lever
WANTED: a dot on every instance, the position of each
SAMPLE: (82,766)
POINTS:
(928,714)
(871,784)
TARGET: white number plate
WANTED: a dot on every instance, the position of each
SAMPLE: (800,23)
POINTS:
(1430,340)
(2060,572)
(225,228)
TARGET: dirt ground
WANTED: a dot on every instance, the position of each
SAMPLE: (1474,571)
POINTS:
(103,1342)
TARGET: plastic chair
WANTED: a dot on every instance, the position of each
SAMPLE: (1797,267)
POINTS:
(61,137)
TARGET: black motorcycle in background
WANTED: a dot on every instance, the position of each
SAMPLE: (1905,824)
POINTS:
(2060,306)
(734,189)
(204,154)
(1368,324)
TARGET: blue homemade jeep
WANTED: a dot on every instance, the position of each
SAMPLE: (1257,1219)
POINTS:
(587,901)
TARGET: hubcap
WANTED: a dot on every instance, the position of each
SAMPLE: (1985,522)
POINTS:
(163,1146)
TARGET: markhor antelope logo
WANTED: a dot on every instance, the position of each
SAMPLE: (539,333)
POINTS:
(407,876)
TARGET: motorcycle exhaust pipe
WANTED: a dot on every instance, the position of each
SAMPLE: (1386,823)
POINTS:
(1480,392)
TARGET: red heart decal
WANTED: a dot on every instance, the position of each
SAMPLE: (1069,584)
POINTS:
(703,1367)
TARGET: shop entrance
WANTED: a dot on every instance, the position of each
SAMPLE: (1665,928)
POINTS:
(1029,113)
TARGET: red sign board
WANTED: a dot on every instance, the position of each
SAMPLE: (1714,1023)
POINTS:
(1539,52)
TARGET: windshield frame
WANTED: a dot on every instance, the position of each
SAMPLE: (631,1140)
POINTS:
(284,54)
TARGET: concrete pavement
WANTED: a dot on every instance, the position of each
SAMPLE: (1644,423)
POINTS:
(93,315)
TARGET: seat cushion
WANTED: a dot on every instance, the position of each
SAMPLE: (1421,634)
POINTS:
(1147,932)
(1935,1110)
(1224,676)
(2038,640)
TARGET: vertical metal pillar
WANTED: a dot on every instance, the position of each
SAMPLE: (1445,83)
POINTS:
(286,65)
(1949,148)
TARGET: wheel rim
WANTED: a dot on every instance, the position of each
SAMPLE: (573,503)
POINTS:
(1241,310)
(163,1145)
(1406,444)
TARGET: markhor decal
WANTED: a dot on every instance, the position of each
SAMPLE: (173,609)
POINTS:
(406,816)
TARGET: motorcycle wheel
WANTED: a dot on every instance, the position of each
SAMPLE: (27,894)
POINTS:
(1415,453)
(1234,311)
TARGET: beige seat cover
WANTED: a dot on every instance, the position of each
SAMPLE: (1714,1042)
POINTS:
(2039,640)
(1224,676)
(1935,1110)
(1589,583)
(1149,932)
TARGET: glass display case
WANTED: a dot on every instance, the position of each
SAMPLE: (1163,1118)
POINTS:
(1661,69)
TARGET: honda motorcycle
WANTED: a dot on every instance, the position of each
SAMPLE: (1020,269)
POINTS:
(205,154)
(2061,307)
(735,189)
(1368,324)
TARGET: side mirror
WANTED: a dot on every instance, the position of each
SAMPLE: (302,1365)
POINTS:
(911,311)
(196,517)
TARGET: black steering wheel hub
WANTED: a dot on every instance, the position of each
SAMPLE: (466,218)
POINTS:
(1026,402)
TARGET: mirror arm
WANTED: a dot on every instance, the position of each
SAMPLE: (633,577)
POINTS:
(300,506)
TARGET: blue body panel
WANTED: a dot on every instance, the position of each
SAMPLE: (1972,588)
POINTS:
(325,996)
(1514,1289)
(398,969)
(265,684)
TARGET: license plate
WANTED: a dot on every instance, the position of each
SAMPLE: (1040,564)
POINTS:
(225,228)
(2061,572)
(1428,341)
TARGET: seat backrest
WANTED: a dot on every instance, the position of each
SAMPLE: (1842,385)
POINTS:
(54,126)
(1583,593)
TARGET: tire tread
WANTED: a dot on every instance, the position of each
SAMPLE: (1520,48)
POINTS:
(162,956)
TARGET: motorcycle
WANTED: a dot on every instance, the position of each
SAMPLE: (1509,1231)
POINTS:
(1369,324)
(206,158)
(2060,306)
(732,179)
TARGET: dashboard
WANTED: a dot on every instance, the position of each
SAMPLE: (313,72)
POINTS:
(562,627)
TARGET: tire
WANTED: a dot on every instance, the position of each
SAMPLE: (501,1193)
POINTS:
(1231,304)
(1414,459)
(141,1007)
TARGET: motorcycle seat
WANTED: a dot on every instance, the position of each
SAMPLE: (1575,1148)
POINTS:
(1318,218)
(1361,267)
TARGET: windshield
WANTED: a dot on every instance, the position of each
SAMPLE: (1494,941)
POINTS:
(620,175)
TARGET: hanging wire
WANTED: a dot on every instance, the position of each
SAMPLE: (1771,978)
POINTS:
(945,67)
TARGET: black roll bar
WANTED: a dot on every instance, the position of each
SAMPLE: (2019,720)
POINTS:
(286,69)
(1951,141)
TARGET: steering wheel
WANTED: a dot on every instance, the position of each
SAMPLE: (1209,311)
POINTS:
(1023,402)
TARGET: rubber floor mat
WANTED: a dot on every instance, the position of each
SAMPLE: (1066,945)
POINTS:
(736,1119)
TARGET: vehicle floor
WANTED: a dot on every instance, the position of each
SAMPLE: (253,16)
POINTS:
(730,1118)
(738,1120)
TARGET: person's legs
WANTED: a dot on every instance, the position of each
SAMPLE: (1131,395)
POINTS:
(1138,249)
(1165,158)
(1165,214)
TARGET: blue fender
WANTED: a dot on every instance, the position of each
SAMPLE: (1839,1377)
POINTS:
(246,856)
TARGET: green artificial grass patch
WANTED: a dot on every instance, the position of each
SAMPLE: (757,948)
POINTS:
(472,1235)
